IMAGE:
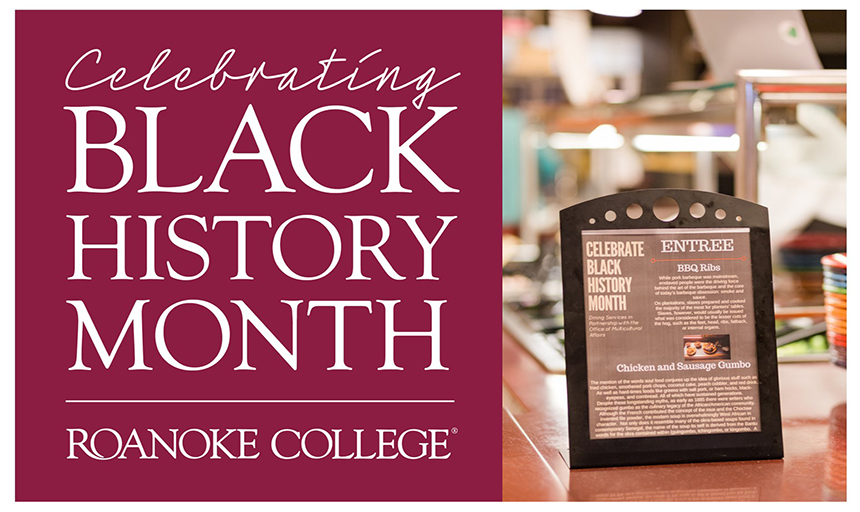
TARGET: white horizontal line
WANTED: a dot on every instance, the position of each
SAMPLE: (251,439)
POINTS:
(227,401)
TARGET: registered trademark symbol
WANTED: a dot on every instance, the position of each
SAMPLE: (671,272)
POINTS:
(455,430)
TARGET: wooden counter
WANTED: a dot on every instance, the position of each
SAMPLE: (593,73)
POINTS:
(534,426)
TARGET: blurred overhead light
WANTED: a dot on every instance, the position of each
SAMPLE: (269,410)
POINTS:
(685,143)
(618,12)
(561,140)
(604,136)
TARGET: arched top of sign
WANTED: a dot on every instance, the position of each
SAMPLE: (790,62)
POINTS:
(665,208)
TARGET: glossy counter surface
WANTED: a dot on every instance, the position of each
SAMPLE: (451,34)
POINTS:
(535,429)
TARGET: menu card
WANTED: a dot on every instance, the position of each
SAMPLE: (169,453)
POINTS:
(669,330)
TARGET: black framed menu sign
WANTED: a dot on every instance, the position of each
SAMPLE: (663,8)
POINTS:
(669,329)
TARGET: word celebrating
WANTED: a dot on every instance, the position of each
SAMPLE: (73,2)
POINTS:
(322,81)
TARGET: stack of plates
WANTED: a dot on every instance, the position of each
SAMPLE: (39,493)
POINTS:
(836,305)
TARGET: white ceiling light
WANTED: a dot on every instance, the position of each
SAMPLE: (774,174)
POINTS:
(604,136)
(685,143)
(617,11)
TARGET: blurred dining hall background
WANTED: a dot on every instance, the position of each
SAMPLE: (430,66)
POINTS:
(745,103)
